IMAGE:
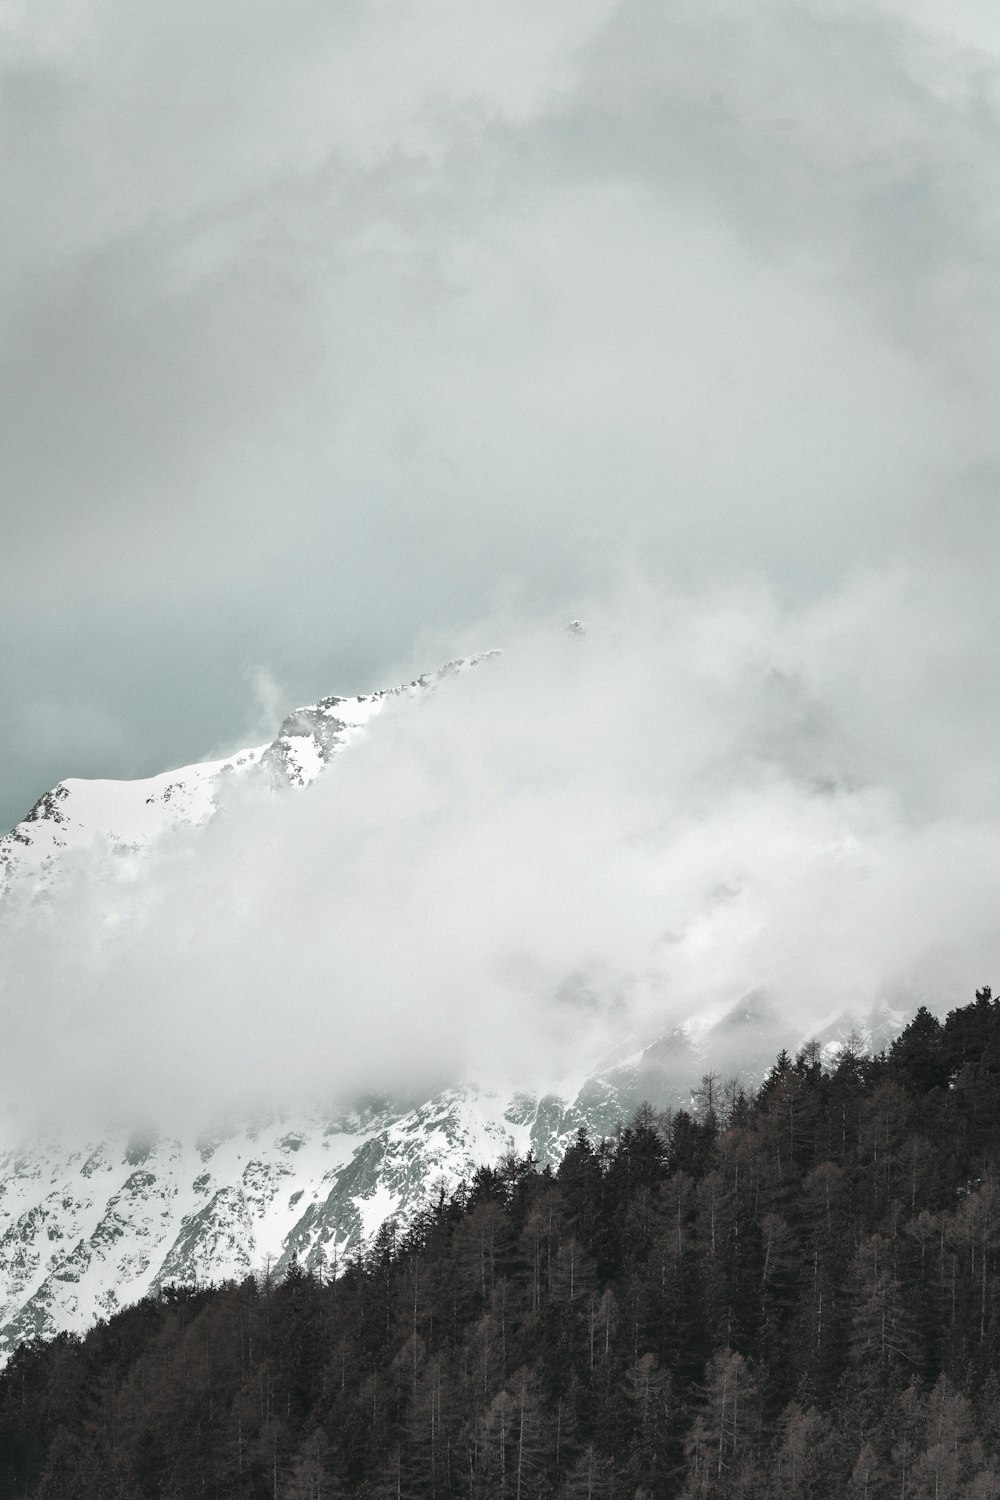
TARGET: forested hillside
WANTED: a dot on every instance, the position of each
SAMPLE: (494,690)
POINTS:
(790,1294)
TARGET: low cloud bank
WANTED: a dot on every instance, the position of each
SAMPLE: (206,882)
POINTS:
(586,840)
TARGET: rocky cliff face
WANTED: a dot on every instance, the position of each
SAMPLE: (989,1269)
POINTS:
(85,1231)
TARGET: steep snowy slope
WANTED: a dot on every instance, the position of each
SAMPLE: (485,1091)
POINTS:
(131,815)
(126,814)
(85,1232)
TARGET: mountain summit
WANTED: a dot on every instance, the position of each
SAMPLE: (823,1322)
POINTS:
(131,815)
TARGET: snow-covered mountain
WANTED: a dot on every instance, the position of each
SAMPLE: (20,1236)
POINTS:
(131,815)
(86,1229)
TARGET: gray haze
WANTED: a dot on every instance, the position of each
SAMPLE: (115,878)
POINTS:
(328,330)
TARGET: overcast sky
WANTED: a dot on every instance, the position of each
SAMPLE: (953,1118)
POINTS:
(334,337)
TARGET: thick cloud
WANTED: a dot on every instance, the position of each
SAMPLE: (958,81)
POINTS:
(576,845)
(322,325)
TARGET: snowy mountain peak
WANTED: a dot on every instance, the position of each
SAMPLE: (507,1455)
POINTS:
(131,815)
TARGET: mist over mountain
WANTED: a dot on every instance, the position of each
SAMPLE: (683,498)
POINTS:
(252,1007)
(515,873)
